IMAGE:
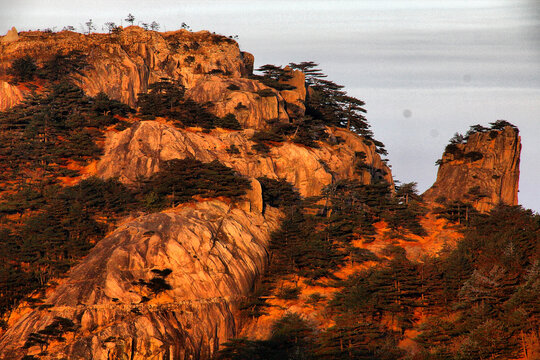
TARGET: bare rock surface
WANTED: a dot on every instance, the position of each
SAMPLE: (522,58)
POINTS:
(484,171)
(10,95)
(214,252)
(239,97)
(138,151)
(11,36)
(123,66)
(295,98)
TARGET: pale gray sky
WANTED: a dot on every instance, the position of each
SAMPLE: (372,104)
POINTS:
(450,63)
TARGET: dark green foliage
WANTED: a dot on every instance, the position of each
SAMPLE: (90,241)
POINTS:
(309,68)
(305,131)
(162,97)
(156,285)
(62,66)
(45,130)
(298,248)
(180,180)
(473,156)
(265,93)
(166,98)
(233,149)
(278,193)
(191,113)
(288,292)
(456,211)
(228,122)
(52,332)
(273,76)
(103,105)
(349,339)
(490,278)
(501,124)
(23,69)
(263,139)
(292,338)
(266,136)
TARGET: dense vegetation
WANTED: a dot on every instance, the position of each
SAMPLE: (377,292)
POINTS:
(477,301)
(40,136)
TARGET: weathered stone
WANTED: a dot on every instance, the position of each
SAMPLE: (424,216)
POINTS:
(295,98)
(249,61)
(239,97)
(215,252)
(10,95)
(484,171)
(139,151)
(11,36)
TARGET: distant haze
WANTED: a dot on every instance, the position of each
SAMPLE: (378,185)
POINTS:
(425,68)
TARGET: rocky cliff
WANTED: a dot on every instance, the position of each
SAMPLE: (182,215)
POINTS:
(483,171)
(161,286)
(211,67)
(139,150)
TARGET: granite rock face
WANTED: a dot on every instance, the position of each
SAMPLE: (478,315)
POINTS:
(123,65)
(207,254)
(10,95)
(138,151)
(483,171)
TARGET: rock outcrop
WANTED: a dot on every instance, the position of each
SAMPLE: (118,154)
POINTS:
(11,36)
(138,151)
(206,257)
(483,171)
(123,65)
(10,95)
(295,98)
(241,98)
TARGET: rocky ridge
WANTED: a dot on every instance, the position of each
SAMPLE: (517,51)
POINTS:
(123,65)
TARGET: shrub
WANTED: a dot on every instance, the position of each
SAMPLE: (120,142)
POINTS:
(474,156)
(179,180)
(266,136)
(23,69)
(63,65)
(162,97)
(233,149)
(278,193)
(229,121)
(265,93)
(288,292)
(261,148)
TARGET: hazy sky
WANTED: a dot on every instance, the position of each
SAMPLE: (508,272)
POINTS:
(425,68)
